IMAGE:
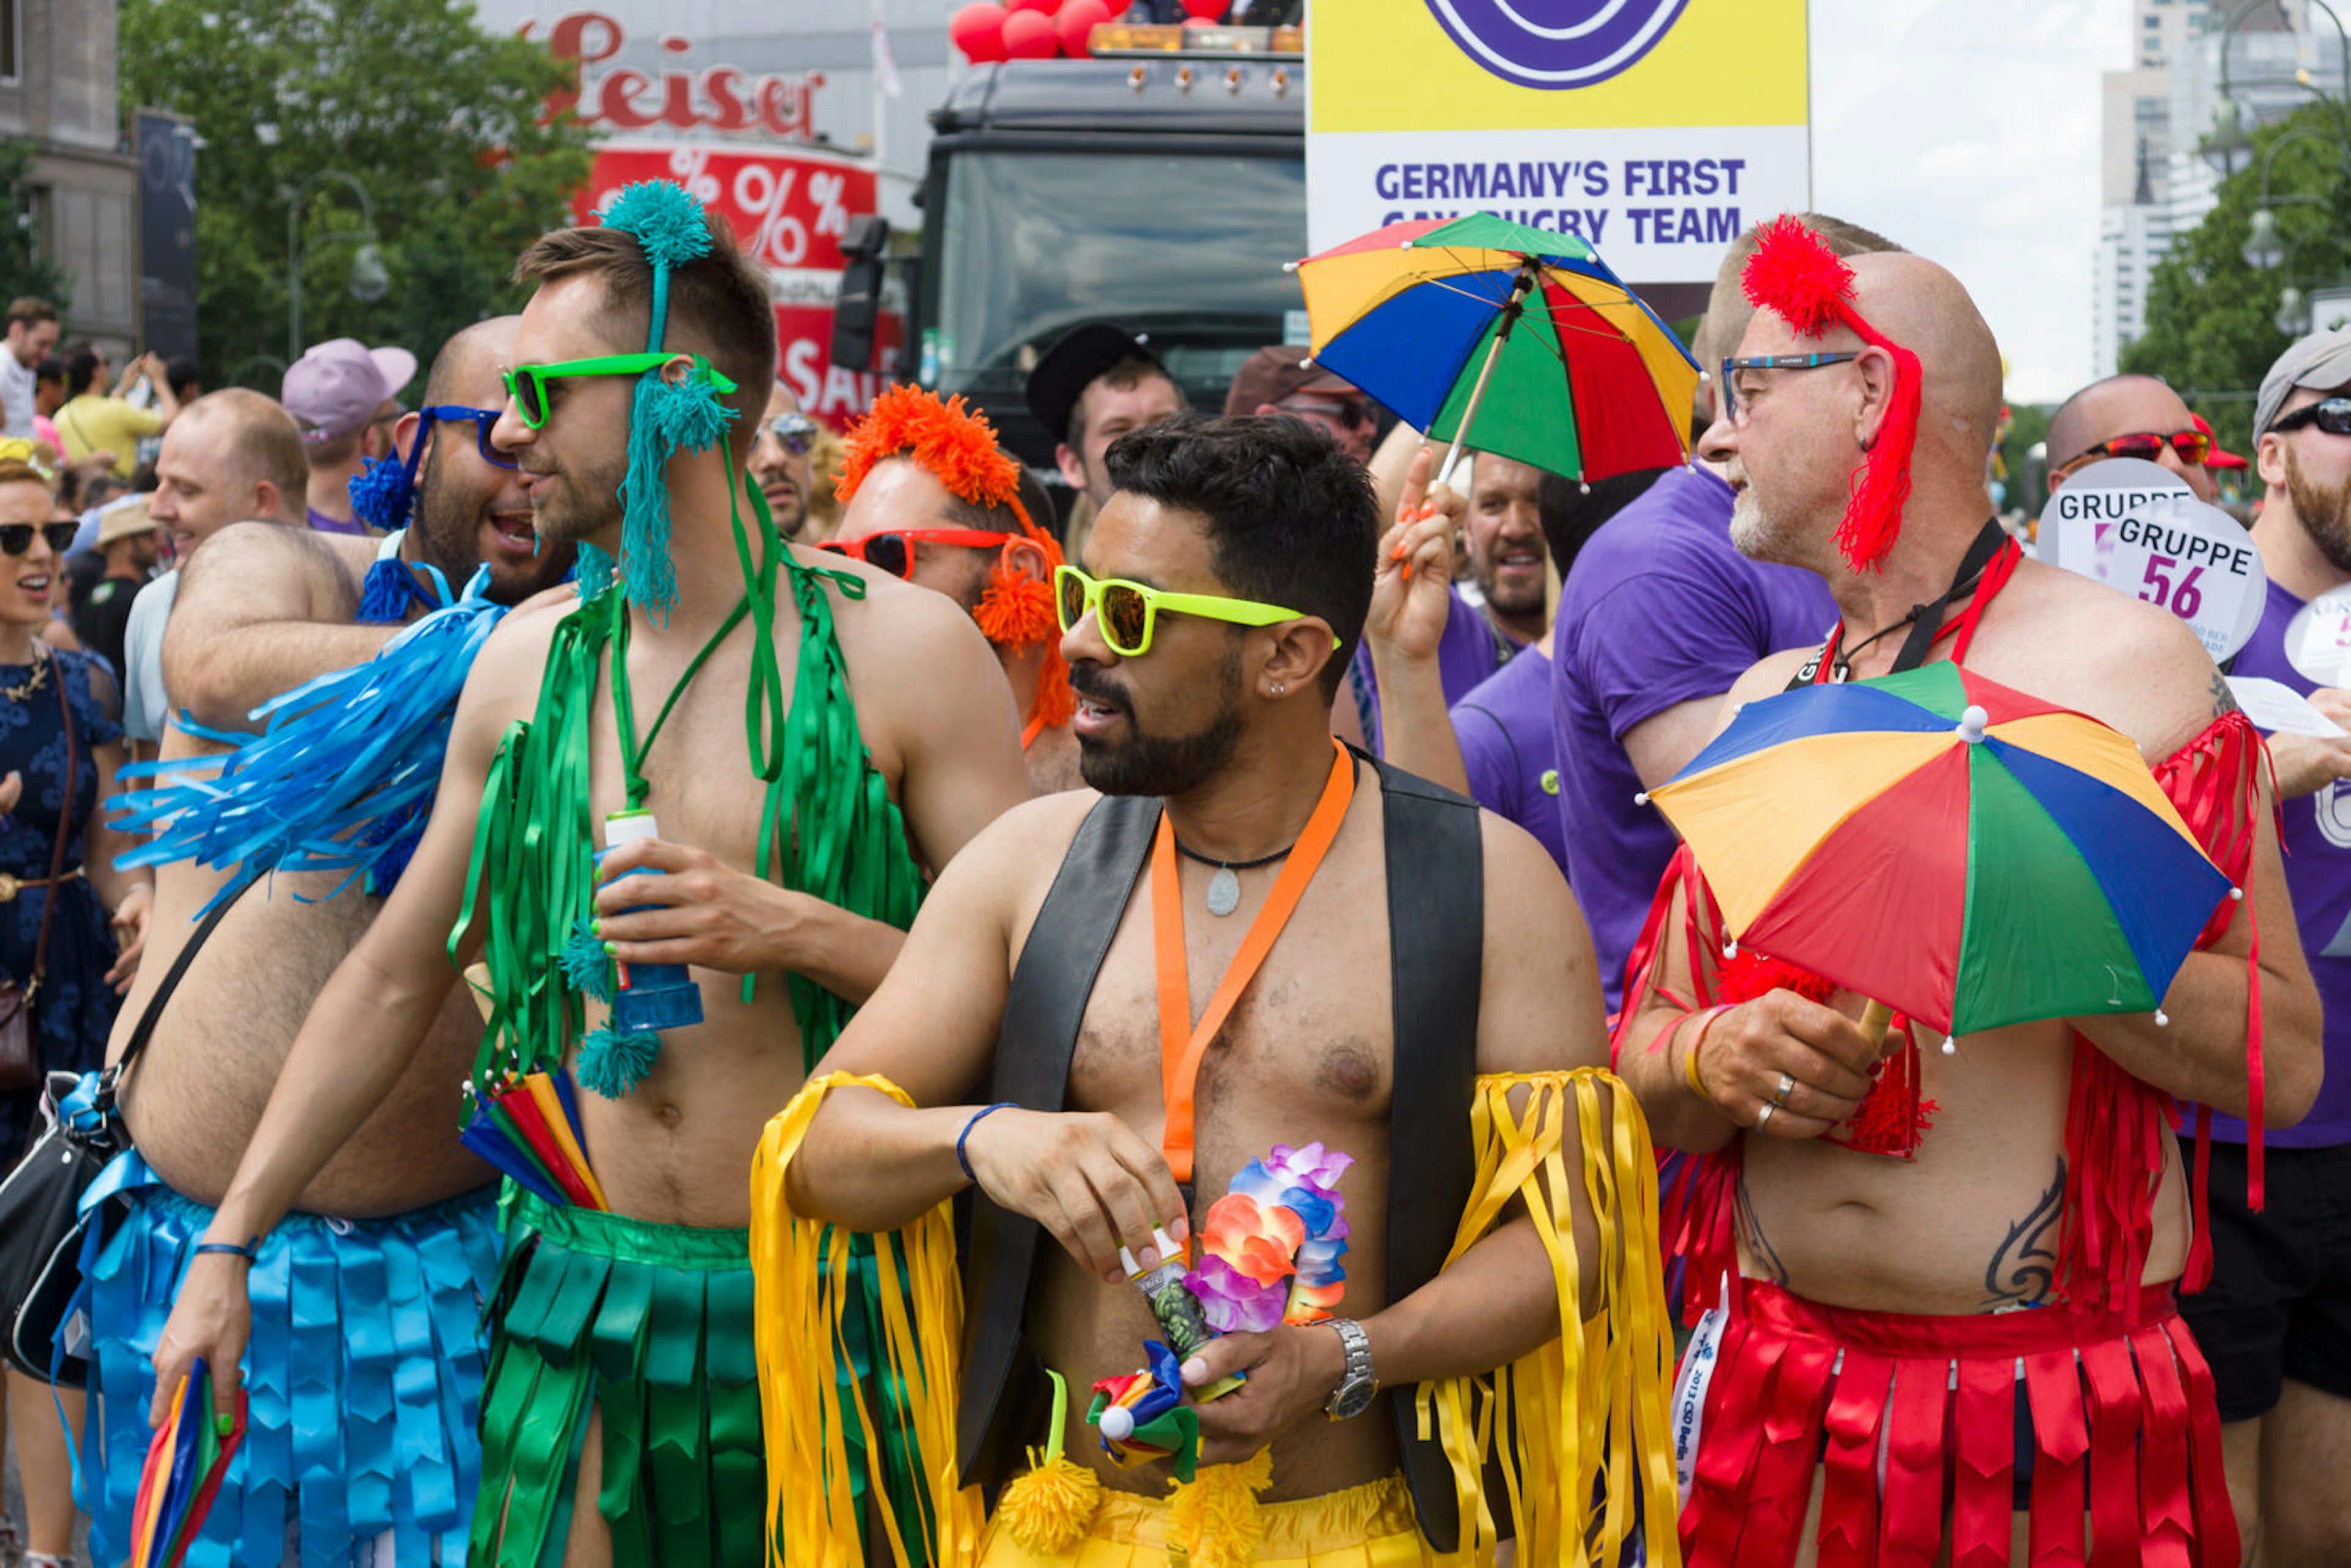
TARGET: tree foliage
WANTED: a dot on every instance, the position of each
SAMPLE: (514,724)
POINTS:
(2210,326)
(22,269)
(442,122)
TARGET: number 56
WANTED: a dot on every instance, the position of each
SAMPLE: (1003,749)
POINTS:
(2184,600)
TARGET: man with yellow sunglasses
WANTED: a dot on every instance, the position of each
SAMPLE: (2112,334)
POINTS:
(1385,970)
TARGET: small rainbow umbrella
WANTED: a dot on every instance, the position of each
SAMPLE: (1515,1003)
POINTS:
(1956,851)
(1525,333)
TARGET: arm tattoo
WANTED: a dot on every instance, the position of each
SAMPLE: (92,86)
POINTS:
(2025,1264)
(1750,1229)
(2224,701)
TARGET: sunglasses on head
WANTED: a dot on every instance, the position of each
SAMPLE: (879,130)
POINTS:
(527,384)
(1128,612)
(483,419)
(16,539)
(2192,445)
(2332,415)
(795,433)
(892,550)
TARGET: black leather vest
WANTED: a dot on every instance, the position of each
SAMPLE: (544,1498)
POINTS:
(1436,876)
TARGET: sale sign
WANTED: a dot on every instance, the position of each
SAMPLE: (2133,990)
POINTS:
(2132,525)
(790,206)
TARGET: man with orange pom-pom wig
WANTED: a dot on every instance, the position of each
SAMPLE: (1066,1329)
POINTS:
(1866,1224)
(931,497)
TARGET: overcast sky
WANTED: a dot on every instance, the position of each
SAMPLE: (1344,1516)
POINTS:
(1968,131)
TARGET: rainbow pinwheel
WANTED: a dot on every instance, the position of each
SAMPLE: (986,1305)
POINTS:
(1524,332)
(1960,852)
(1143,1417)
(186,1463)
(528,1128)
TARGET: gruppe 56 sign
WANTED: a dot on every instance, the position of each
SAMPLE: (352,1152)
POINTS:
(1656,129)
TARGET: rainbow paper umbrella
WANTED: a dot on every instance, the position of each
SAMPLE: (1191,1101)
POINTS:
(1524,332)
(186,1463)
(528,1128)
(1954,849)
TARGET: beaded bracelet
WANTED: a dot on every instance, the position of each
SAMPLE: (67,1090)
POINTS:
(1689,1058)
(977,1118)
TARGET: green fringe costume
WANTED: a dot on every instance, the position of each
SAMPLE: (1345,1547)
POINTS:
(655,1322)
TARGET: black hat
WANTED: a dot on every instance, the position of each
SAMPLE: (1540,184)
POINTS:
(1065,371)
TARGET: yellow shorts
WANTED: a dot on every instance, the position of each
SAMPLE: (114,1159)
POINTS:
(1364,1527)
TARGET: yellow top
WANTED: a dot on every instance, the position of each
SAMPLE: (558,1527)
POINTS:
(94,423)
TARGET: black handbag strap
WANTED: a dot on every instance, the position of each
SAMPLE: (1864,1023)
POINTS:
(112,1078)
(65,829)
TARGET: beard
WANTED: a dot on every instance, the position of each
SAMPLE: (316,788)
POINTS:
(1753,534)
(2325,512)
(588,502)
(1145,764)
(1513,597)
(449,536)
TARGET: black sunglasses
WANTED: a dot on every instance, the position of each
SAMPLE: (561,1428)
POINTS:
(16,539)
(2332,415)
(483,419)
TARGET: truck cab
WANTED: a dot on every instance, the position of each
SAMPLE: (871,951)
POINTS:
(1161,187)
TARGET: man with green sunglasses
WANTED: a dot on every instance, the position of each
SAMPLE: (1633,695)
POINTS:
(1399,971)
(809,739)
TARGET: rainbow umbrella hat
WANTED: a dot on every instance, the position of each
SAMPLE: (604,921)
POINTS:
(1524,333)
(1959,851)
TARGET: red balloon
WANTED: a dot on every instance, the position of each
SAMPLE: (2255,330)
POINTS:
(1017,7)
(1206,10)
(1028,36)
(1076,22)
(978,31)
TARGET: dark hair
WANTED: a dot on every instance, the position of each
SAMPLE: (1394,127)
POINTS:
(30,311)
(183,373)
(81,367)
(718,306)
(1572,513)
(1131,372)
(52,368)
(1291,519)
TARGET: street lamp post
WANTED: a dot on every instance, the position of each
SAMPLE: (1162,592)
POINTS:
(369,280)
(2228,142)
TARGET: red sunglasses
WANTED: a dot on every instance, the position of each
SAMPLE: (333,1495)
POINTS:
(892,550)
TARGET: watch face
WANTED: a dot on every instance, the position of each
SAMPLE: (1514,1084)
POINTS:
(1352,1399)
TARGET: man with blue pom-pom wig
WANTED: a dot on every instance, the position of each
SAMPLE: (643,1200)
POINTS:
(686,817)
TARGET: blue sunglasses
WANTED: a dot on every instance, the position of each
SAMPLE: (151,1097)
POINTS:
(457,413)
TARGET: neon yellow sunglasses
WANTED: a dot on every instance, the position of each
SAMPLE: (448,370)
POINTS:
(527,384)
(1129,612)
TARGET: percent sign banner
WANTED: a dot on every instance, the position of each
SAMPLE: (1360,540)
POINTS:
(789,209)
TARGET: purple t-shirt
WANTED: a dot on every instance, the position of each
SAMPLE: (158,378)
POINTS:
(1470,649)
(1660,608)
(2318,873)
(1504,729)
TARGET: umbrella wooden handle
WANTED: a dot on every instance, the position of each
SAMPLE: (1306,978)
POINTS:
(1875,1019)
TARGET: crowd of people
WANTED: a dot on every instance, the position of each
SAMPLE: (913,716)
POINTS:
(883,909)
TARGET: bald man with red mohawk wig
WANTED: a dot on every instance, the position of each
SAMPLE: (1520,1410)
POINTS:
(932,497)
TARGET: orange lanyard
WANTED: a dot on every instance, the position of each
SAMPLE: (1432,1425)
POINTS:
(1182,1042)
(1035,727)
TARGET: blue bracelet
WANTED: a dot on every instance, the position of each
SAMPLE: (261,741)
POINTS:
(977,1118)
(250,1252)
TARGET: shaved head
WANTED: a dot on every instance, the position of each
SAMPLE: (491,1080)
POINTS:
(484,344)
(1927,310)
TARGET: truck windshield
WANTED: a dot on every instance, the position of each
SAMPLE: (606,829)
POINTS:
(1187,246)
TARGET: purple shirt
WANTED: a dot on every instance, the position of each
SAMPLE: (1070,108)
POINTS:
(322,524)
(1470,649)
(1504,729)
(2318,873)
(1660,608)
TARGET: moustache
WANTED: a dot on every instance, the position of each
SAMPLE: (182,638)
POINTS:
(1096,686)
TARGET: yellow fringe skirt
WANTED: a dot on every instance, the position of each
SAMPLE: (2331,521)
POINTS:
(1364,1527)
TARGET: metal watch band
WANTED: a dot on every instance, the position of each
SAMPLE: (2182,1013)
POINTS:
(1356,1387)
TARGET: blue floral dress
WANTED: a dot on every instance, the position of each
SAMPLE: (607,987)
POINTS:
(74,1011)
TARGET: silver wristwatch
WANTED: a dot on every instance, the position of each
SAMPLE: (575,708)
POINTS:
(1354,1395)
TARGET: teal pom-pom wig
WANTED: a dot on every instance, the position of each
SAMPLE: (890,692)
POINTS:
(669,224)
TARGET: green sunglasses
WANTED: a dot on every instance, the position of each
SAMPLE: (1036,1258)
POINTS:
(527,384)
(1128,612)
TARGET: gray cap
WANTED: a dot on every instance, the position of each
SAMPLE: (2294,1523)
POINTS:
(2321,362)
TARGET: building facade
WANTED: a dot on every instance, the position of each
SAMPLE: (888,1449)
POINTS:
(58,91)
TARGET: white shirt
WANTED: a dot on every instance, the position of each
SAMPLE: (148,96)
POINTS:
(16,381)
(145,706)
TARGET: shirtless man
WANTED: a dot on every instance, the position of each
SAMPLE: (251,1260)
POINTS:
(2048,1177)
(618,1399)
(977,544)
(1216,706)
(261,610)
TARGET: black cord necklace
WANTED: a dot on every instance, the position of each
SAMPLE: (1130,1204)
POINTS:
(1225,888)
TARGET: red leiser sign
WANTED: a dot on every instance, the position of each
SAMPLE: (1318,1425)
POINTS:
(721,98)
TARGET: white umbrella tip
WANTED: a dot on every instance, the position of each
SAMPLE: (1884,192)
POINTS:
(1289,266)
(1972,723)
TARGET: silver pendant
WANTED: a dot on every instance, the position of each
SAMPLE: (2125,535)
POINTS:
(1224,892)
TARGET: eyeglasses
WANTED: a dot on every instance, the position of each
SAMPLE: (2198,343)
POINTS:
(2332,415)
(16,539)
(1128,612)
(527,384)
(1731,368)
(484,419)
(1348,415)
(2192,445)
(796,432)
(892,550)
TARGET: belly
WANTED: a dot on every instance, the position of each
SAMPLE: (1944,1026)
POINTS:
(1971,1225)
